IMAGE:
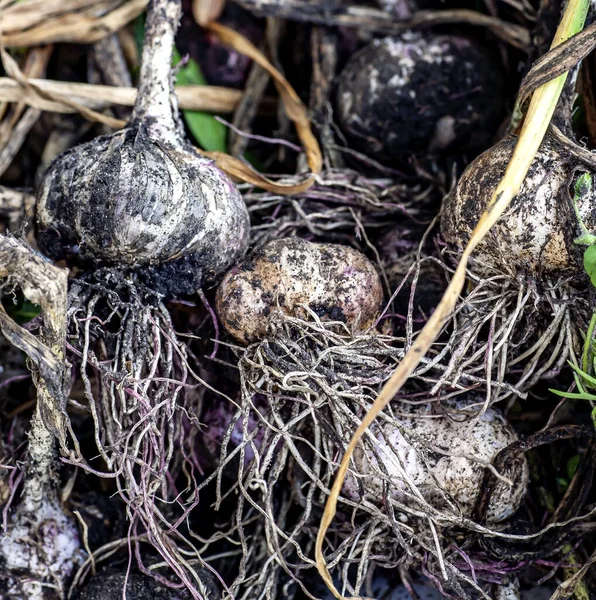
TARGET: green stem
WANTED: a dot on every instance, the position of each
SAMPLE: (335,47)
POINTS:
(587,350)
(581,591)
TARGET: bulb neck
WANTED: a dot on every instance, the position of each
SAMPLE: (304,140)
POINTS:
(156,107)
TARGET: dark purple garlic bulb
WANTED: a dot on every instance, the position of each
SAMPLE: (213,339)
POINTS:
(417,94)
(142,198)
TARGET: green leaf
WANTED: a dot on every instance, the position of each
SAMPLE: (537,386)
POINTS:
(590,263)
(563,483)
(587,379)
(22,311)
(572,465)
(138,31)
(573,395)
(587,239)
(583,185)
(207,130)
(254,160)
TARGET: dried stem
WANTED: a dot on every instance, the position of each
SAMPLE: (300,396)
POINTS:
(40,517)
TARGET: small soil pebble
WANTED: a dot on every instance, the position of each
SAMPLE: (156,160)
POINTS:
(418,93)
(336,282)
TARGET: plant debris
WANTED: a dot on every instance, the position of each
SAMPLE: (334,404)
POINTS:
(297,300)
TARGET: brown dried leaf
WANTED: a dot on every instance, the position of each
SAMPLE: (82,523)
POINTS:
(242,171)
(294,107)
(45,285)
(371,19)
(15,128)
(557,61)
(12,69)
(194,97)
(205,11)
(54,23)
(583,155)
(19,16)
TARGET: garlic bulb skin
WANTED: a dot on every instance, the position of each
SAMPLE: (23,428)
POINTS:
(45,546)
(130,200)
(434,454)
(536,233)
(336,282)
(143,198)
(417,93)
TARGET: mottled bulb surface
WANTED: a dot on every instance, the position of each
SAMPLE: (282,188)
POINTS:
(437,455)
(336,282)
(535,233)
(417,93)
(143,198)
(129,200)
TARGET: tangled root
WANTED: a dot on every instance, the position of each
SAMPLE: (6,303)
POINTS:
(513,330)
(316,382)
(340,208)
(134,370)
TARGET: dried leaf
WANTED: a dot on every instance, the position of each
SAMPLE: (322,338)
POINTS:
(25,14)
(568,587)
(242,171)
(56,21)
(15,128)
(367,18)
(293,106)
(45,285)
(205,11)
(12,69)
(557,61)
(204,98)
(578,152)
(35,66)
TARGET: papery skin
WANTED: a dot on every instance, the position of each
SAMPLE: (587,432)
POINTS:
(129,200)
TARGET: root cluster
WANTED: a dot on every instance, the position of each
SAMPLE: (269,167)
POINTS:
(513,331)
(134,371)
(317,382)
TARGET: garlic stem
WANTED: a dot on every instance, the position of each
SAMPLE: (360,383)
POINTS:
(40,466)
(156,107)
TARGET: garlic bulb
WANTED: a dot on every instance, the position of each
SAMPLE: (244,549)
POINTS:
(336,282)
(437,455)
(143,197)
(418,93)
(536,232)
